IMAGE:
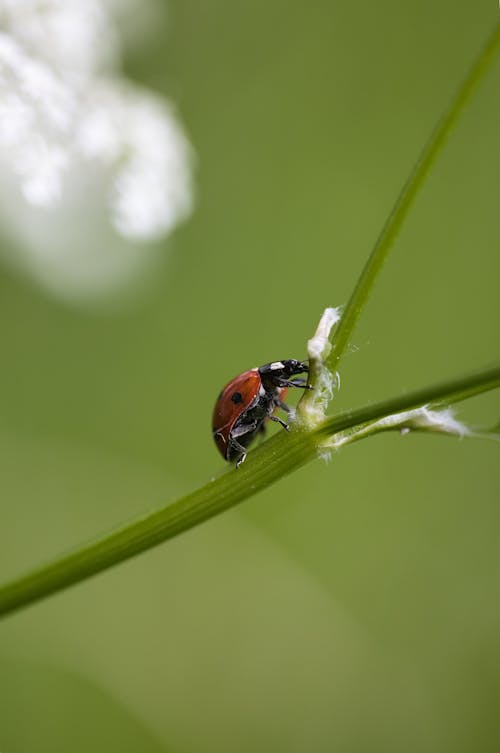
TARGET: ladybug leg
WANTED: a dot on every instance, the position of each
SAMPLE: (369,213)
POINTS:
(282,406)
(235,445)
(301,383)
(297,383)
(279,421)
(242,429)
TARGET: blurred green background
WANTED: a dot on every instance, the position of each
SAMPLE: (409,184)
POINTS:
(353,606)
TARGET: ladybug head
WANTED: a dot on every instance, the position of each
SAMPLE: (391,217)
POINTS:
(284,369)
(294,367)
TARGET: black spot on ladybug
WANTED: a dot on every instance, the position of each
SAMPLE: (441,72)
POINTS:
(237,397)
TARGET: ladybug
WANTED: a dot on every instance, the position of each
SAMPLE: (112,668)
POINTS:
(247,400)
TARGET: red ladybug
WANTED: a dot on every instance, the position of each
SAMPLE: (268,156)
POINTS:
(244,404)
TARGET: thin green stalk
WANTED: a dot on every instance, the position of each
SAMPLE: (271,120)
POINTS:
(282,454)
(413,185)
(444,393)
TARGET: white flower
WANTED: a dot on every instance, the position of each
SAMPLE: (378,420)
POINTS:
(76,138)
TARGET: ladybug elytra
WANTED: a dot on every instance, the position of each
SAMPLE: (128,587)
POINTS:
(248,400)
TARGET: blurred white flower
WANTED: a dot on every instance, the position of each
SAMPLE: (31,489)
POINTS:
(77,138)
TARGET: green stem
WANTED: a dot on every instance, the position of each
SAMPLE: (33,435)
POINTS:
(279,456)
(444,393)
(407,196)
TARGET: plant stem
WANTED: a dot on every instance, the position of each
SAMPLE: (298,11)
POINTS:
(267,464)
(409,192)
(444,393)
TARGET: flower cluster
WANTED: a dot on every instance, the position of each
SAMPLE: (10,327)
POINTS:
(76,137)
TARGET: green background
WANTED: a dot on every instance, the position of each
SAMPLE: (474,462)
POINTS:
(353,606)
